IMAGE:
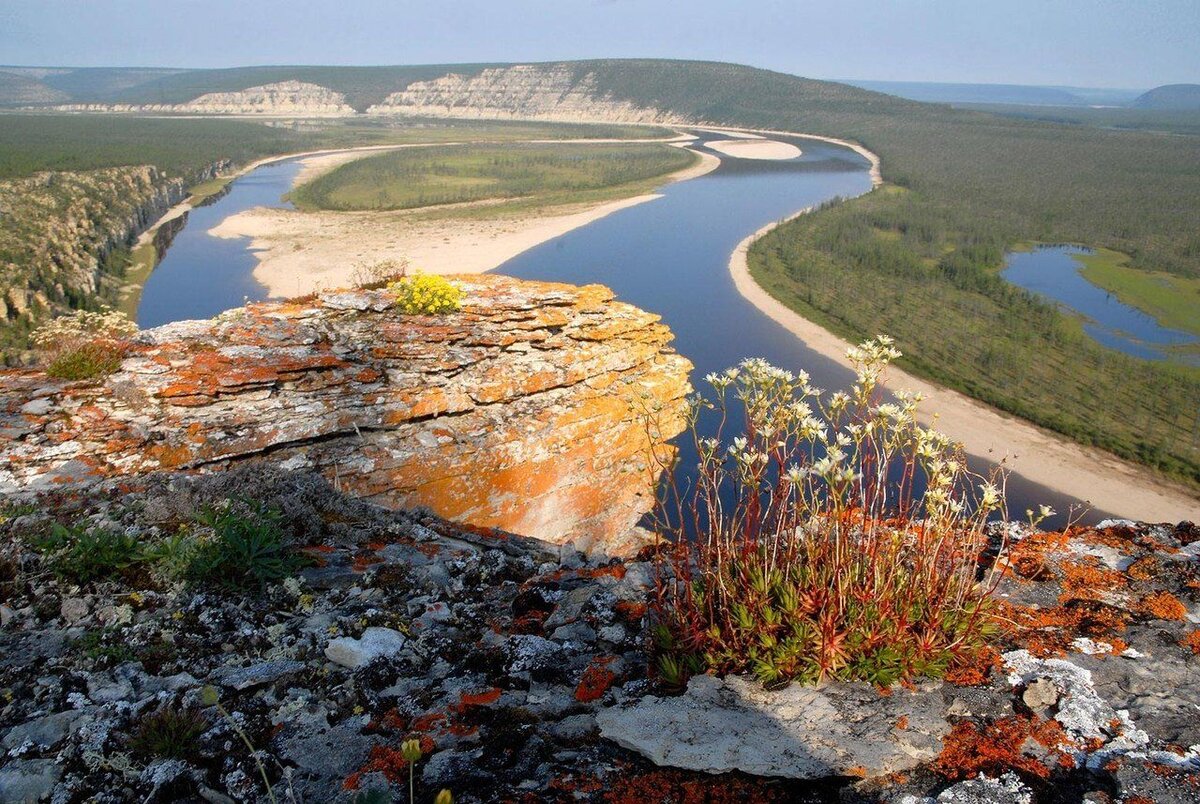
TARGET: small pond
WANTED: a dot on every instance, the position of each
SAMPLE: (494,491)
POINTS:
(1053,271)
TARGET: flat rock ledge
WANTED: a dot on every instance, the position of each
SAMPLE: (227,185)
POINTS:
(534,409)
(733,724)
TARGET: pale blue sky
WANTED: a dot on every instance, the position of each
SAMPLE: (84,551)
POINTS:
(1134,43)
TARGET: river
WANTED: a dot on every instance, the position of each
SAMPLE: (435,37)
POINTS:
(669,256)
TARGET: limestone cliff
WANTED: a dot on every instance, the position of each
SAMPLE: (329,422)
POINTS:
(522,91)
(284,98)
(522,411)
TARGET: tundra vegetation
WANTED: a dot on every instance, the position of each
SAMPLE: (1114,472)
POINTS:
(454,175)
(835,538)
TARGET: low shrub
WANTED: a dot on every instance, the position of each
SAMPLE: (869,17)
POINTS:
(84,345)
(426,294)
(834,538)
(246,550)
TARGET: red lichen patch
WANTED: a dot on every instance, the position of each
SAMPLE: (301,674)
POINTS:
(1163,605)
(364,561)
(1089,581)
(974,670)
(902,723)
(388,761)
(485,698)
(1192,641)
(971,749)
(630,611)
(596,680)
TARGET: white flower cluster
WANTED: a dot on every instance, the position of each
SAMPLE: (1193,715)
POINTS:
(82,325)
(843,451)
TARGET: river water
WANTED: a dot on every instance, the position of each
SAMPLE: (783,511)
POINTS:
(669,256)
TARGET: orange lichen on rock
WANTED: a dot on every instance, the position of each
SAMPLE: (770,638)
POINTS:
(1087,580)
(1192,641)
(1050,631)
(1028,558)
(1163,605)
(596,680)
(523,412)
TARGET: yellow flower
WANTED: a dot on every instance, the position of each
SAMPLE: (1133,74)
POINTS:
(411,750)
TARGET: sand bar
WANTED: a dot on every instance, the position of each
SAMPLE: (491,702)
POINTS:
(755,149)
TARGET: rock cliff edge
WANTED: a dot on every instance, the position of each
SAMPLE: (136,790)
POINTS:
(524,411)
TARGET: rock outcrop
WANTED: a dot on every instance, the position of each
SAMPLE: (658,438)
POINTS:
(528,92)
(534,409)
(282,99)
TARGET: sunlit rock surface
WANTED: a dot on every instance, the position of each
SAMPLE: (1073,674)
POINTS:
(533,409)
(523,91)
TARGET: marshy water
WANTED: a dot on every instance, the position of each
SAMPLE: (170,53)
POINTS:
(669,256)
(1053,271)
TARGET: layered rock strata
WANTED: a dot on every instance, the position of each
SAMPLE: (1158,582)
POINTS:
(525,92)
(534,409)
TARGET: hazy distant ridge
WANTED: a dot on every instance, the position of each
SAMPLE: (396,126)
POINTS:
(1174,97)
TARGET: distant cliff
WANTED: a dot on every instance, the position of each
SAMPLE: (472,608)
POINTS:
(281,98)
(524,411)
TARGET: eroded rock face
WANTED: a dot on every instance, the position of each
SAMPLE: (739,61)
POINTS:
(524,411)
(522,91)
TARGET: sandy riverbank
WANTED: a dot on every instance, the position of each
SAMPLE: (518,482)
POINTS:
(1107,482)
(301,252)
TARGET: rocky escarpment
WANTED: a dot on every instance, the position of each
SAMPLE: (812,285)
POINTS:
(58,228)
(534,409)
(534,92)
(284,98)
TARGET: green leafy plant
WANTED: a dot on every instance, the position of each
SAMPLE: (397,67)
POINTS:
(426,294)
(84,554)
(168,732)
(834,538)
(247,548)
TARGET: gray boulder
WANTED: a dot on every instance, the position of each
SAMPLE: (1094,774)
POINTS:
(798,732)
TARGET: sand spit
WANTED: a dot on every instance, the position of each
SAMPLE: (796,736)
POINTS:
(755,149)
